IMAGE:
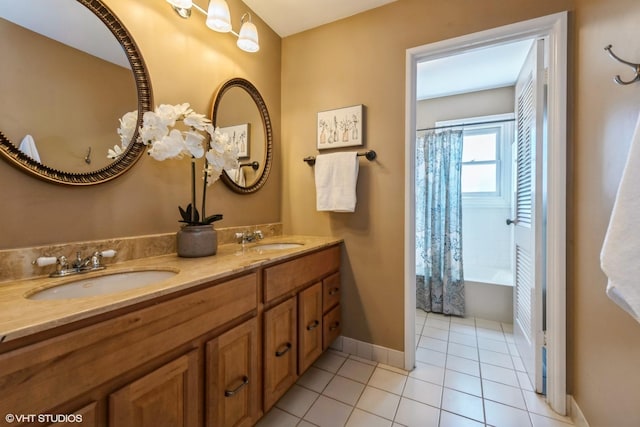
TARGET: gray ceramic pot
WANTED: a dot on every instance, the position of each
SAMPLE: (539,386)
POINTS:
(195,241)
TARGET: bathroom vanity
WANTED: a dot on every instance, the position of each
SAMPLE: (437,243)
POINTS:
(215,344)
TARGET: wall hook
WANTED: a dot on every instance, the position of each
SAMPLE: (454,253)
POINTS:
(87,158)
(636,68)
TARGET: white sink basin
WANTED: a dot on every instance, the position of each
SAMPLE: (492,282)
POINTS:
(277,246)
(102,285)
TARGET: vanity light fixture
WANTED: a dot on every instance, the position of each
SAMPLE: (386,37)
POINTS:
(219,19)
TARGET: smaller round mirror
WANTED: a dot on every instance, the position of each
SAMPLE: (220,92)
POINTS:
(240,112)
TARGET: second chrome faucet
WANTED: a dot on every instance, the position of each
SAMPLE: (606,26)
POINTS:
(249,236)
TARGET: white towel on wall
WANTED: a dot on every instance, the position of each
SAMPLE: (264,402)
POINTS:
(336,177)
(620,256)
(28,147)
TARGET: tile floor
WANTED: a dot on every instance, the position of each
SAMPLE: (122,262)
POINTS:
(468,374)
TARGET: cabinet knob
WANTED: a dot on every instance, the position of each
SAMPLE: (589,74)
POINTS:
(334,291)
(311,326)
(512,221)
(287,347)
(334,326)
(229,393)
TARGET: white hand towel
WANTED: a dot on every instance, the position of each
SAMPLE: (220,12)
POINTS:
(620,254)
(336,178)
(28,147)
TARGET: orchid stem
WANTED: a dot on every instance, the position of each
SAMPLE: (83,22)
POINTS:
(204,190)
(193,190)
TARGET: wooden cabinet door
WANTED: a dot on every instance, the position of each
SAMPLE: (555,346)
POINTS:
(280,350)
(233,379)
(167,397)
(309,326)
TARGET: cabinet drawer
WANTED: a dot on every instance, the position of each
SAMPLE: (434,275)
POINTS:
(288,276)
(330,292)
(331,327)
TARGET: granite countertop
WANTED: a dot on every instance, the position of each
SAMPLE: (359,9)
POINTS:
(20,316)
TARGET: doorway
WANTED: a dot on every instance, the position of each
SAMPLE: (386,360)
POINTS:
(552,32)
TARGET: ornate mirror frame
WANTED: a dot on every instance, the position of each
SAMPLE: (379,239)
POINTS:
(266,123)
(16,158)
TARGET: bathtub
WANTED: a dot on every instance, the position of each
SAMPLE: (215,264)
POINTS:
(488,293)
(490,275)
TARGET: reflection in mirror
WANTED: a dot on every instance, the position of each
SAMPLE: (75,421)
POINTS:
(240,111)
(64,91)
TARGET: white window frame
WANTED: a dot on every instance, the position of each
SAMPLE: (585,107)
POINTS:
(502,196)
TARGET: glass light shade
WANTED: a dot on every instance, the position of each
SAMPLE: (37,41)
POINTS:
(248,37)
(183,4)
(218,16)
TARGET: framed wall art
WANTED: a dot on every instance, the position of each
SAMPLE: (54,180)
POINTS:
(239,135)
(340,128)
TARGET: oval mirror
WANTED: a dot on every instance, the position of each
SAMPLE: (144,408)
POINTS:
(240,112)
(70,70)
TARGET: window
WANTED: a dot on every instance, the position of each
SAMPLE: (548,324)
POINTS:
(486,159)
(481,162)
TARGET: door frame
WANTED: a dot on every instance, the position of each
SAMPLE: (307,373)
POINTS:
(554,27)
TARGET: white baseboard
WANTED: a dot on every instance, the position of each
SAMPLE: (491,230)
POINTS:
(369,351)
(576,413)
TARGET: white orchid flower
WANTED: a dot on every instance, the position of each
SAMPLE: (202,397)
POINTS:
(154,127)
(115,152)
(213,173)
(221,137)
(215,159)
(193,142)
(127,127)
(182,110)
(169,147)
(169,113)
(197,121)
(165,142)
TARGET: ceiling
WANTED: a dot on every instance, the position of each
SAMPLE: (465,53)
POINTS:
(480,69)
(287,17)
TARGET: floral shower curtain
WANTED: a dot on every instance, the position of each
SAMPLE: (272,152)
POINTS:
(440,282)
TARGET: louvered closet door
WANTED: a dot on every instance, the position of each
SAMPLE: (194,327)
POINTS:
(527,203)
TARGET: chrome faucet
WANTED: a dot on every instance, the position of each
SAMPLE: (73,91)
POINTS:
(79,265)
(249,236)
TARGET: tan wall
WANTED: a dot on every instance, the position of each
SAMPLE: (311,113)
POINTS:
(605,342)
(187,62)
(362,60)
(475,104)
